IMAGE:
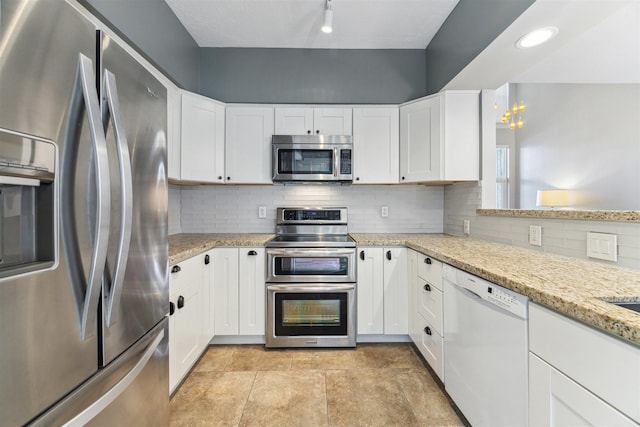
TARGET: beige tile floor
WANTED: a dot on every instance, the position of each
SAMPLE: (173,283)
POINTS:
(371,385)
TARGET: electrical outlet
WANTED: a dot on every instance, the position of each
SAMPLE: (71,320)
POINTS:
(535,235)
(466,227)
(384,211)
(262,212)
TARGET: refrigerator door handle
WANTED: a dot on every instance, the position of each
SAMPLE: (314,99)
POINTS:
(86,289)
(112,394)
(112,112)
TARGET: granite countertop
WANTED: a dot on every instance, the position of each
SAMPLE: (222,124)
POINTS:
(573,287)
(570,286)
(186,245)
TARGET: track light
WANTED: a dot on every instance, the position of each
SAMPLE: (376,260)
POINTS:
(327,24)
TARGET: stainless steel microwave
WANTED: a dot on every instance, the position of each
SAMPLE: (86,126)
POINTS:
(306,158)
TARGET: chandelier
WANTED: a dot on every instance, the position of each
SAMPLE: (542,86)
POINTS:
(513,117)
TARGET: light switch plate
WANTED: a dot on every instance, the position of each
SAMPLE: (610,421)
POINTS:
(466,227)
(262,212)
(602,246)
(535,235)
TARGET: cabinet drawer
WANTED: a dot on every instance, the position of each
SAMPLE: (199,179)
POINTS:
(430,270)
(186,276)
(430,304)
(430,346)
(606,366)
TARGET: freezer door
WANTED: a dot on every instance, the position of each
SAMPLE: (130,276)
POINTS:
(131,391)
(45,348)
(135,286)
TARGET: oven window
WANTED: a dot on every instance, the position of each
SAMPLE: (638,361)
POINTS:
(305,161)
(313,313)
(311,266)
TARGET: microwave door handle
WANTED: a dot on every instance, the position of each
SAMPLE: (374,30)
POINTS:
(112,112)
(336,162)
(86,290)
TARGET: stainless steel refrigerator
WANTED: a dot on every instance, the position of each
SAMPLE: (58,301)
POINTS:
(83,225)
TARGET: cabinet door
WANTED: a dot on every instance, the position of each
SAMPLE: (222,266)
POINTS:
(208,326)
(252,290)
(185,324)
(461,136)
(396,291)
(420,141)
(294,121)
(248,145)
(414,320)
(202,150)
(332,121)
(225,290)
(376,148)
(370,289)
(556,400)
(174,116)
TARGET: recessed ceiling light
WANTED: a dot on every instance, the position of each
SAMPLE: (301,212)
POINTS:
(536,37)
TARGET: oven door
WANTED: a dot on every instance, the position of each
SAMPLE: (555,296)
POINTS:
(311,315)
(308,265)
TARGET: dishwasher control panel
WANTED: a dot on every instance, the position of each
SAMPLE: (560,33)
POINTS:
(490,292)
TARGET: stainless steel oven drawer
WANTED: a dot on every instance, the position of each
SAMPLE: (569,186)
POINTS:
(311,265)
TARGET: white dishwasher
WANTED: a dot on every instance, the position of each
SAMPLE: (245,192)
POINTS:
(485,350)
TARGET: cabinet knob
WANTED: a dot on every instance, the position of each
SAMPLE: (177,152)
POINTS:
(389,255)
(403,178)
(172,308)
(308,132)
(427,330)
(180,301)
(252,253)
(427,287)
(427,261)
(357,178)
(207,260)
(219,177)
(176,269)
(317,131)
(228,178)
(362,255)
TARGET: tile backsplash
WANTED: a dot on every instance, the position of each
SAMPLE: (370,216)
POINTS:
(233,208)
(559,236)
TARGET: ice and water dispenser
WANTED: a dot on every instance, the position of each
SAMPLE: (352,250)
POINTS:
(27,203)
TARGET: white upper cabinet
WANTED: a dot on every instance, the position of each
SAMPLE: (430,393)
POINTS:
(376,145)
(202,148)
(440,138)
(174,113)
(248,145)
(308,121)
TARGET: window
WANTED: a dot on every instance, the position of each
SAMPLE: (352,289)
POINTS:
(502,177)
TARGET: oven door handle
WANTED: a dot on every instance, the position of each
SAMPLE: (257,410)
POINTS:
(310,288)
(310,253)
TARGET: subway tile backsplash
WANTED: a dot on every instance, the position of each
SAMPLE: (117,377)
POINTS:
(559,236)
(231,209)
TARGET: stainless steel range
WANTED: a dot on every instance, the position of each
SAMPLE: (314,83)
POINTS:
(311,280)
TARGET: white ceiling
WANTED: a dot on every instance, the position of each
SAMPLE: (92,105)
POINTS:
(598,42)
(357,24)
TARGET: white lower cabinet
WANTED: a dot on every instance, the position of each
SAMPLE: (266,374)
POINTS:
(426,310)
(557,400)
(188,336)
(239,291)
(579,376)
(382,291)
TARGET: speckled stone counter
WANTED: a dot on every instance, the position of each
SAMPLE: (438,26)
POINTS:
(570,286)
(186,245)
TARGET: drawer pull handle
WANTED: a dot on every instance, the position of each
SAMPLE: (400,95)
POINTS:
(207,260)
(427,261)
(252,253)
(172,308)
(427,288)
(362,255)
(180,301)
(176,269)
(427,330)
(389,255)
